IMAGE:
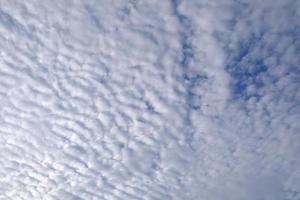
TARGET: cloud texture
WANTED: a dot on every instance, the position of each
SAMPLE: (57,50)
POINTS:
(149,100)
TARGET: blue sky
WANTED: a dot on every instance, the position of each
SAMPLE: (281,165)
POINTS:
(149,100)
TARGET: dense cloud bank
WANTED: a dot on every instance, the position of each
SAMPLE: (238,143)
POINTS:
(150,100)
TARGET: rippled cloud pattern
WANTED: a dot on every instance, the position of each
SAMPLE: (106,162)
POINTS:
(149,100)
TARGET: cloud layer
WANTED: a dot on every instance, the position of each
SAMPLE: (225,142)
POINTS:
(149,100)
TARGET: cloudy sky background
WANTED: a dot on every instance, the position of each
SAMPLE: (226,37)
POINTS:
(150,100)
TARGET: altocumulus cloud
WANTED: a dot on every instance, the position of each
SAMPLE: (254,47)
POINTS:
(149,100)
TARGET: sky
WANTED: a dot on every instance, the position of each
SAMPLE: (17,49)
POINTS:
(150,100)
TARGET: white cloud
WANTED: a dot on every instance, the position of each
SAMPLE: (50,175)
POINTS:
(149,100)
